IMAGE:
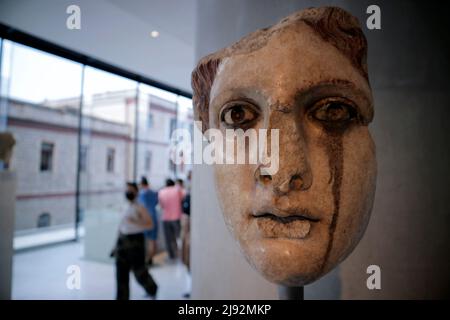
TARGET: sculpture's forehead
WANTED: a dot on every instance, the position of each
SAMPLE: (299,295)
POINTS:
(292,60)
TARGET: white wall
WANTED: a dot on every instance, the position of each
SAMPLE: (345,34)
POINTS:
(408,233)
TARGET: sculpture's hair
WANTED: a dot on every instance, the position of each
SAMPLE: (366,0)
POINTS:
(332,24)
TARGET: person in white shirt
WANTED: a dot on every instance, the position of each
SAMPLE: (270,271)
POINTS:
(130,248)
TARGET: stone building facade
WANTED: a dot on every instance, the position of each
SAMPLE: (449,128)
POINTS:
(46,154)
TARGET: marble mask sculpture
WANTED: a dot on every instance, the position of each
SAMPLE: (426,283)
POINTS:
(306,76)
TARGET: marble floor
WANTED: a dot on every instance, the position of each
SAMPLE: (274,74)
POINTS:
(42,274)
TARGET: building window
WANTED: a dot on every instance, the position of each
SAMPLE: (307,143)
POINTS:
(46,156)
(191,131)
(44,220)
(83,158)
(148,161)
(173,126)
(172,166)
(110,160)
(150,120)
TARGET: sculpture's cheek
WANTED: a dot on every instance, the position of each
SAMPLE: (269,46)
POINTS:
(235,189)
(354,160)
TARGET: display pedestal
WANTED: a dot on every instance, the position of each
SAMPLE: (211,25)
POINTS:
(290,293)
(7,209)
(100,233)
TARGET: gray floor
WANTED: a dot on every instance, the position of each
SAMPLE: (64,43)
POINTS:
(41,274)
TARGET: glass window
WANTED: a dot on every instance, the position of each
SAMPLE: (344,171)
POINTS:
(172,126)
(172,167)
(150,119)
(46,156)
(124,131)
(110,160)
(185,120)
(44,220)
(148,161)
(152,154)
(38,77)
(40,102)
(108,132)
(123,136)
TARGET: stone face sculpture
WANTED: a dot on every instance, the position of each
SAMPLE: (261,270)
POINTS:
(306,76)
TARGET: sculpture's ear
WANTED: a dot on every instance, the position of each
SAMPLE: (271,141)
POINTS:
(202,80)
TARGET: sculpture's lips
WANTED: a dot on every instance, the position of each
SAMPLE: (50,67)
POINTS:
(285,215)
(274,223)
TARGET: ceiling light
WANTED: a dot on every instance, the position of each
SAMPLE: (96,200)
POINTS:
(154,34)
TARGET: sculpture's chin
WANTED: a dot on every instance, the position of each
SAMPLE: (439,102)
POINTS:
(290,262)
(297,262)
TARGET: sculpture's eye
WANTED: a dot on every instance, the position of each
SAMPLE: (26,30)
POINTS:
(238,115)
(334,111)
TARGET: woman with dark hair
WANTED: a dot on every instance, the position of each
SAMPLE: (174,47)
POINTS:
(130,248)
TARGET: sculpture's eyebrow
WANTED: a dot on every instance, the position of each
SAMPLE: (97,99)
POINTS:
(338,82)
(252,94)
(340,88)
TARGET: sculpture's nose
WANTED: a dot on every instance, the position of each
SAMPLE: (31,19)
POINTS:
(294,171)
(293,182)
